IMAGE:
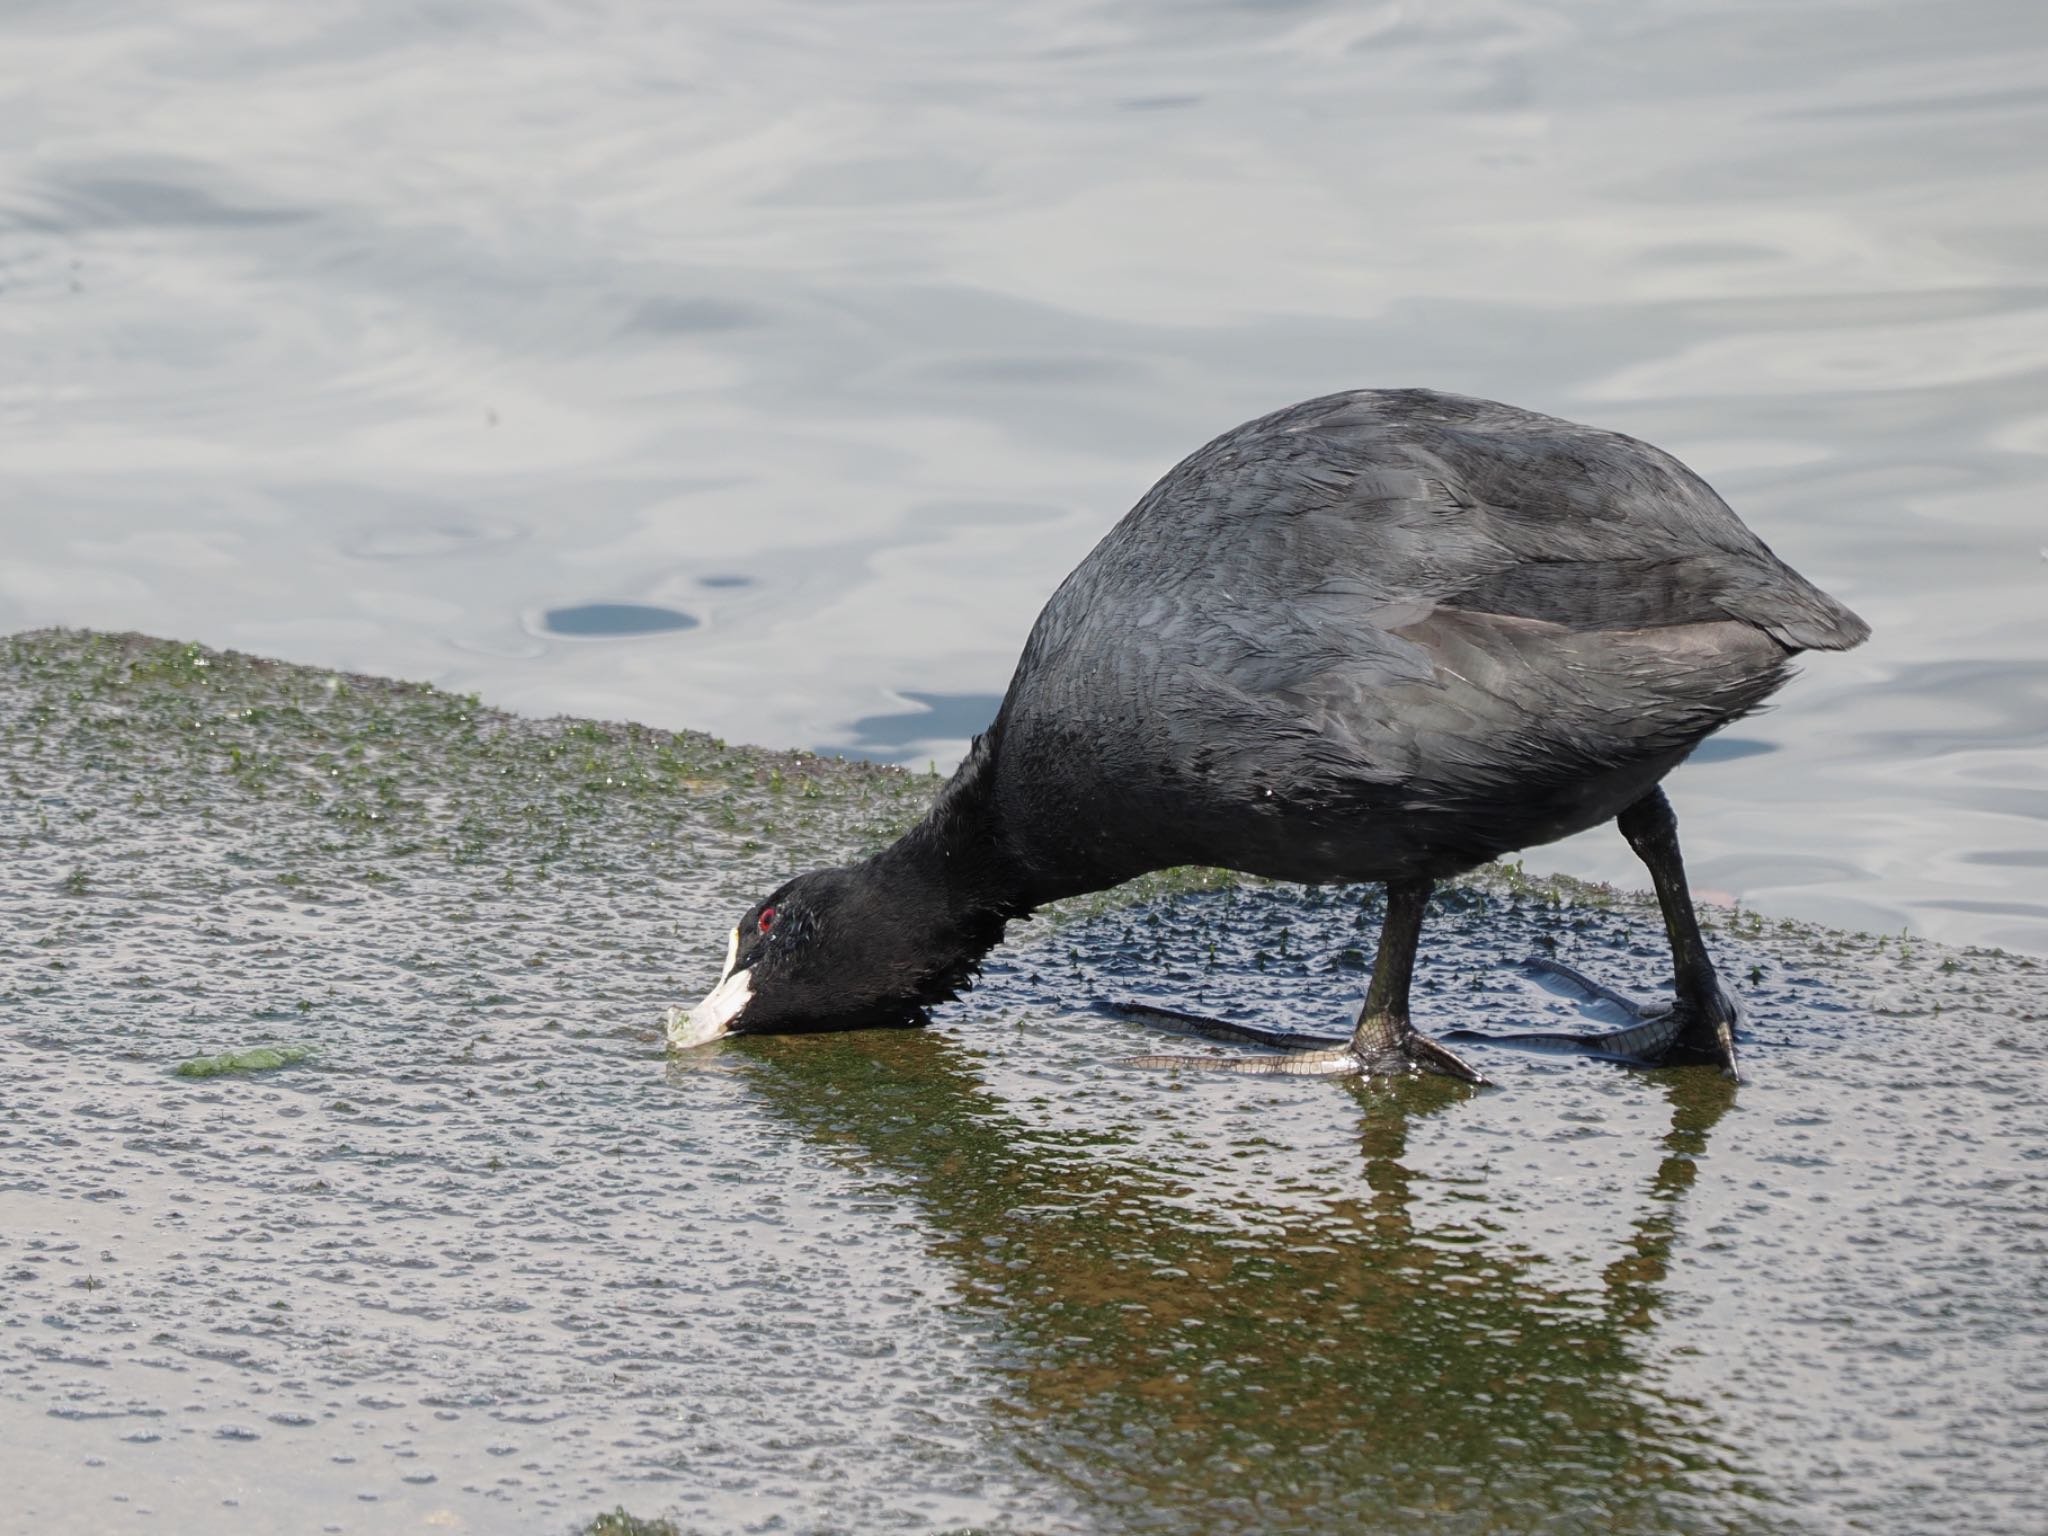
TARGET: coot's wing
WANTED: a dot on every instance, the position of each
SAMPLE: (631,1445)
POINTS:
(1431,595)
(1548,519)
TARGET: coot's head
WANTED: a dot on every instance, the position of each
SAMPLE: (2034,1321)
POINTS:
(822,952)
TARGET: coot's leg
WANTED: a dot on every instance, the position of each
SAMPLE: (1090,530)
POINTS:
(1699,1026)
(1706,1011)
(1383,1042)
(1384,1038)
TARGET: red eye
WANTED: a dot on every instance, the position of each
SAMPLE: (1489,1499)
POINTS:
(767,918)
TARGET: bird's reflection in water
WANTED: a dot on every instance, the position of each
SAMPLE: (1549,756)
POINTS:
(1203,1362)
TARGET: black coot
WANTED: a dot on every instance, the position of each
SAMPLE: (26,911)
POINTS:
(1387,635)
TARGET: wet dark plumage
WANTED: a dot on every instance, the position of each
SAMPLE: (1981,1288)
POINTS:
(1382,635)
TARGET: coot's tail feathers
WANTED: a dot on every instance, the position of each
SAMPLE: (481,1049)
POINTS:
(1795,613)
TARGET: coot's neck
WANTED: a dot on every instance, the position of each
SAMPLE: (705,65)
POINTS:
(951,882)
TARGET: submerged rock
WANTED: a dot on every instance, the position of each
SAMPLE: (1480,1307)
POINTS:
(494,1256)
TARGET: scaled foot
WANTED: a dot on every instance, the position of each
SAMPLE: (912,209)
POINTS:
(1687,1032)
(1378,1047)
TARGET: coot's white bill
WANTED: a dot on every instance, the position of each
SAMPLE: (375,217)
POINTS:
(713,1017)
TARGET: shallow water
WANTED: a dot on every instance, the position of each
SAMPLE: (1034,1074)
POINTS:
(492,1260)
(376,339)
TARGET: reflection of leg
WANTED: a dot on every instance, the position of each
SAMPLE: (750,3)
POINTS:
(1705,1011)
(1698,1101)
(1384,1038)
(1700,1025)
(1383,1042)
(1634,1282)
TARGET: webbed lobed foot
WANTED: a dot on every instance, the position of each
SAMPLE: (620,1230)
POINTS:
(1380,1046)
(1387,1042)
(1686,1032)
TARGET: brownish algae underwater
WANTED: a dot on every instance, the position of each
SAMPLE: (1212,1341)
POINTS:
(443,1238)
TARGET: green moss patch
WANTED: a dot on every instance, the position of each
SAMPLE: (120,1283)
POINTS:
(259,1058)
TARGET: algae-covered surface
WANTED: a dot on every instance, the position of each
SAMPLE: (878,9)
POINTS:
(481,1255)
(262,1058)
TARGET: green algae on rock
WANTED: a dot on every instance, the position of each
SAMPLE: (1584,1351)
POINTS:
(259,1058)
(617,1522)
(531,1245)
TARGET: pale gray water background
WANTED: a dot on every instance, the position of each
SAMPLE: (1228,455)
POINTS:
(399,338)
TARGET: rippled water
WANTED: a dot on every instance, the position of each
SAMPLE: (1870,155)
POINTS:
(491,1260)
(378,336)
